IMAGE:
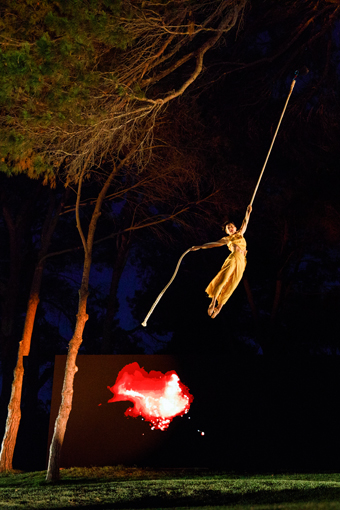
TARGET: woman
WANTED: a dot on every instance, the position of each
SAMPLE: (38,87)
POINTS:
(225,282)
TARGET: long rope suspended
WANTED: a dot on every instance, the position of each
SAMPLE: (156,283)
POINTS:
(273,140)
(304,71)
(144,323)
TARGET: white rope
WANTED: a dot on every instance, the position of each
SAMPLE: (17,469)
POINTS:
(144,323)
(271,146)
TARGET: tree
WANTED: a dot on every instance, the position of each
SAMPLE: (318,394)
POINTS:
(14,406)
(150,189)
(18,217)
(128,130)
(82,72)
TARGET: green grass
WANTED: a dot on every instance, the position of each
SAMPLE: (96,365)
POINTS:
(120,487)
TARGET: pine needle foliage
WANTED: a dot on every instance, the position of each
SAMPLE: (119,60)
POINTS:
(48,57)
(85,80)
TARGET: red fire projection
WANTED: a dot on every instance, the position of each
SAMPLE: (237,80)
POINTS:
(157,397)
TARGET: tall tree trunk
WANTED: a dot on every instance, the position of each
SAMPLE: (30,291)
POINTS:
(76,341)
(9,344)
(14,407)
(123,246)
(13,415)
(70,371)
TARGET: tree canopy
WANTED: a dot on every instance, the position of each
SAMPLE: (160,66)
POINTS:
(83,81)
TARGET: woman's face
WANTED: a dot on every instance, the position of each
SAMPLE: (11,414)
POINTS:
(230,228)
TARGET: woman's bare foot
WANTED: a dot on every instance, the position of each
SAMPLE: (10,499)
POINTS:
(216,312)
(212,307)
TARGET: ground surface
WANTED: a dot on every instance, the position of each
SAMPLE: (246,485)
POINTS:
(120,487)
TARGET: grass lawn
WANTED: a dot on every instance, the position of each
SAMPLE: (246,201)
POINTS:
(120,487)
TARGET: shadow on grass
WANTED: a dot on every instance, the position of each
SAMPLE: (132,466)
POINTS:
(217,498)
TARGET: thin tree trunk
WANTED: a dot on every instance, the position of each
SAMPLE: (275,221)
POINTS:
(67,391)
(13,416)
(14,407)
(122,251)
(76,341)
(9,344)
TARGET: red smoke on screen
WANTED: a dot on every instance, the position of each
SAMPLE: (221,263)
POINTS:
(157,397)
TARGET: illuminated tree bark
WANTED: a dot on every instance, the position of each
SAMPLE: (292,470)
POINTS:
(14,407)
(70,371)
(18,224)
(76,341)
(13,416)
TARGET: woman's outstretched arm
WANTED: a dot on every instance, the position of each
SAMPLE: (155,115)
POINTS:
(215,244)
(246,220)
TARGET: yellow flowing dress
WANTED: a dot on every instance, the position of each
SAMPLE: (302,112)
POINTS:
(226,281)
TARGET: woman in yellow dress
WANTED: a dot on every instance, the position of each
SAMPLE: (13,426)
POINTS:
(225,282)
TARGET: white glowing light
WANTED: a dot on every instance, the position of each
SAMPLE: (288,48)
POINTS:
(157,398)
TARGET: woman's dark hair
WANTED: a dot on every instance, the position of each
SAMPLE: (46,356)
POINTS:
(228,223)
